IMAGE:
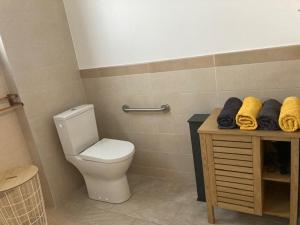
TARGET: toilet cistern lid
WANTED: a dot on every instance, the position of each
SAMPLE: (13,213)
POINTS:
(75,111)
(108,151)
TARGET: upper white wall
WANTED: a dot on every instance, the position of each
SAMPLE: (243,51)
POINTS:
(116,32)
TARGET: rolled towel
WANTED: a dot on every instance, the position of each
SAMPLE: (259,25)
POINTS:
(246,117)
(269,114)
(289,118)
(226,118)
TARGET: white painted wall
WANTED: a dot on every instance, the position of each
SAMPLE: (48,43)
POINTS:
(116,32)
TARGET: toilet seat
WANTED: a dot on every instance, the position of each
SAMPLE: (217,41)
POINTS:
(108,151)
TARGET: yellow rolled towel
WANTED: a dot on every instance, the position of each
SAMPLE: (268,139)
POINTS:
(289,118)
(246,117)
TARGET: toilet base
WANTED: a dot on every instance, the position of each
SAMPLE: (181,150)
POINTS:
(112,191)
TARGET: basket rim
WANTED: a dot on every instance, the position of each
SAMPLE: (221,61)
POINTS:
(13,178)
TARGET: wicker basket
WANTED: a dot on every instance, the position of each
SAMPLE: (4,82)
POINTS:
(21,199)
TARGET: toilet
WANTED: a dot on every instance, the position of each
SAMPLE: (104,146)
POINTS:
(103,163)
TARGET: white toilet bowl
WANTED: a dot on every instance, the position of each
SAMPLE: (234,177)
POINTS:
(103,163)
(105,177)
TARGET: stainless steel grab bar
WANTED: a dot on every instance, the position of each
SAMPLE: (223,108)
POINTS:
(163,108)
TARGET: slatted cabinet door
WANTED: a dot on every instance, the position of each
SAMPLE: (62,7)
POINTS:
(235,172)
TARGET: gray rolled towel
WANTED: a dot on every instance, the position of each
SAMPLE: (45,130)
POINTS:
(268,116)
(226,118)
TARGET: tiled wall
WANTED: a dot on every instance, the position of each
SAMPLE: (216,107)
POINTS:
(162,141)
(13,151)
(43,66)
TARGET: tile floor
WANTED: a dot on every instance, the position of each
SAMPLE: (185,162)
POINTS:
(153,202)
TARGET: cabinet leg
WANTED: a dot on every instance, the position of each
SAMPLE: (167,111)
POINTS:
(210,214)
(294,181)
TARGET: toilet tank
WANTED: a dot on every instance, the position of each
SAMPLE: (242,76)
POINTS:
(77,129)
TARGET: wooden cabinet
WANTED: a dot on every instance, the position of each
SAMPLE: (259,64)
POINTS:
(236,177)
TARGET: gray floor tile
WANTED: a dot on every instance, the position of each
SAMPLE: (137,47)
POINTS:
(153,202)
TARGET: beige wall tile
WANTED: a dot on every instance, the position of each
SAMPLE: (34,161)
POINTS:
(70,180)
(283,53)
(3,86)
(166,82)
(280,75)
(239,77)
(174,143)
(141,123)
(176,162)
(38,44)
(280,94)
(163,146)
(224,95)
(258,56)
(153,67)
(182,64)
(187,103)
(116,70)
(184,143)
(172,123)
(136,84)
(198,80)
(263,80)
(144,141)
(126,122)
(259,76)
(13,146)
(163,173)
(184,81)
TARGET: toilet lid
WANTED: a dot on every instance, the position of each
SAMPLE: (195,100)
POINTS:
(108,151)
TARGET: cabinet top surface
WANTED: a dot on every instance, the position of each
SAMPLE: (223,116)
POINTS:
(210,126)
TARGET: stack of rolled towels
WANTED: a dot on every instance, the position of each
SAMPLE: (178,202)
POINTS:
(252,114)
